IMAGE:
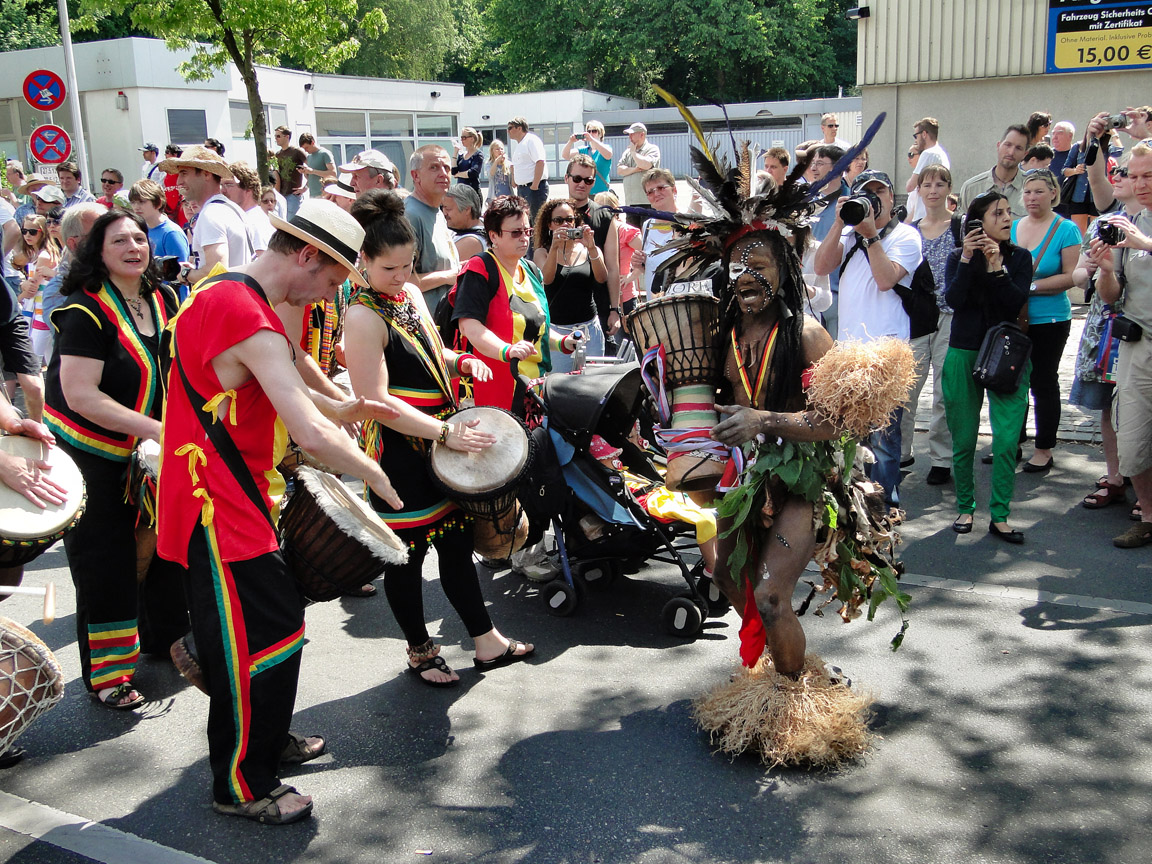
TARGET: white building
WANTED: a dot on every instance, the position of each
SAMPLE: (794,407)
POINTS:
(132,93)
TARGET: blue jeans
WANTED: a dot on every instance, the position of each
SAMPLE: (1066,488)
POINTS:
(293,202)
(535,198)
(593,342)
(885,445)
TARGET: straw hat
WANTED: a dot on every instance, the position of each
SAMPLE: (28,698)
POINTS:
(324,225)
(198,157)
(32,183)
(342,187)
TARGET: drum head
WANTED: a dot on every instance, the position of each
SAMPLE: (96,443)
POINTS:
(149,453)
(20,519)
(353,515)
(489,470)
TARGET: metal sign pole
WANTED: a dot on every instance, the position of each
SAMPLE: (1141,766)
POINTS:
(74,91)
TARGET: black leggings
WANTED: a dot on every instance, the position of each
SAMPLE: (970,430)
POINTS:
(1047,347)
(403,585)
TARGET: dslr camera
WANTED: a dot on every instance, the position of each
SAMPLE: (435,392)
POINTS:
(856,209)
(169,267)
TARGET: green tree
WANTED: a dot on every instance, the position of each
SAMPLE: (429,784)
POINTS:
(316,33)
(424,38)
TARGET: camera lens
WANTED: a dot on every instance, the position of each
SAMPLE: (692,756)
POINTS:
(1109,234)
(854,210)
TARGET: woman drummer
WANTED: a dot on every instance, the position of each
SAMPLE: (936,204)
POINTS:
(502,309)
(104,394)
(395,355)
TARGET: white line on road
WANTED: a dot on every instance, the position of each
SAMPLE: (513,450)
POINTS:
(79,835)
(1028,595)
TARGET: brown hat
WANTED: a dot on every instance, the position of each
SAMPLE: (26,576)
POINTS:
(33,182)
(198,157)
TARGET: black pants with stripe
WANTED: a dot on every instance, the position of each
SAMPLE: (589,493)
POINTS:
(248,621)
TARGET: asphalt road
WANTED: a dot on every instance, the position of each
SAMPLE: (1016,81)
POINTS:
(1015,725)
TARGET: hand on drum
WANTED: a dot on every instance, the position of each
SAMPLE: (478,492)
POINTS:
(465,438)
(29,477)
(740,426)
(29,429)
(358,410)
(477,368)
(382,486)
(521,350)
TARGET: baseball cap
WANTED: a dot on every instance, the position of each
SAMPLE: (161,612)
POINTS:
(149,147)
(872,176)
(369,159)
(636,127)
(53,194)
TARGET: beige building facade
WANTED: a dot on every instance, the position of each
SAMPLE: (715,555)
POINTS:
(979,66)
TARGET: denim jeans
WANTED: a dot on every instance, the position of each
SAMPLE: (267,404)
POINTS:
(293,202)
(535,198)
(885,445)
(593,343)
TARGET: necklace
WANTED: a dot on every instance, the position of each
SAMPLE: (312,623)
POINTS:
(400,309)
(137,305)
(742,366)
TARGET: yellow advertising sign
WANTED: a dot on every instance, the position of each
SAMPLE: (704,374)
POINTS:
(1083,35)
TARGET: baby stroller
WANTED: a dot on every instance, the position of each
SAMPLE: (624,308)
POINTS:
(573,492)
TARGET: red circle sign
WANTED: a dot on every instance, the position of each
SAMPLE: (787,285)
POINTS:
(43,89)
(50,144)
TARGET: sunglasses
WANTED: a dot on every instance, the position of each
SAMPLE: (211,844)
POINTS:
(576,178)
(563,220)
(832,125)
(1119,172)
(519,232)
(109,180)
(27,231)
(656,190)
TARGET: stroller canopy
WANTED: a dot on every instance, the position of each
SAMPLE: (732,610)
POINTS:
(601,399)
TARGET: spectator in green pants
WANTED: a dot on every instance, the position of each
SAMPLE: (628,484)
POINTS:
(987,283)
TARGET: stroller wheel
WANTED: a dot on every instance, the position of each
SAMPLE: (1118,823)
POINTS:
(599,574)
(560,598)
(717,600)
(682,617)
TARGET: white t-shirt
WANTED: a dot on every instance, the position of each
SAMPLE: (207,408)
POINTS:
(260,228)
(528,151)
(221,221)
(866,312)
(654,234)
(7,214)
(151,171)
(934,155)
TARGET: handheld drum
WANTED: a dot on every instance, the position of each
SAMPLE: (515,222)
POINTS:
(332,540)
(688,327)
(485,484)
(143,474)
(25,529)
(30,680)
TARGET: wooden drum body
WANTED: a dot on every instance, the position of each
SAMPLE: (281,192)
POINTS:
(143,474)
(25,529)
(30,680)
(332,541)
(688,327)
(485,484)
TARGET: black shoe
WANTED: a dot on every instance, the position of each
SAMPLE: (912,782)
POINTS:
(1014,537)
(1033,468)
(938,475)
(908,463)
(963,527)
(986,459)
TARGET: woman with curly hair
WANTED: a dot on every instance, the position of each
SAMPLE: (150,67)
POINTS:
(573,269)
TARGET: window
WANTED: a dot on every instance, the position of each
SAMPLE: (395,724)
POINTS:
(187,126)
(436,126)
(340,124)
(390,125)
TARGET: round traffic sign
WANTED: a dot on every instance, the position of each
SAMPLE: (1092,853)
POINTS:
(50,144)
(43,89)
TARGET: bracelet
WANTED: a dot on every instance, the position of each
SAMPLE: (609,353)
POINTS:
(458,362)
(564,350)
(445,431)
(504,353)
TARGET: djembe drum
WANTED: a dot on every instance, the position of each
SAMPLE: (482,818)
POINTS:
(143,474)
(30,680)
(687,327)
(485,484)
(25,529)
(332,541)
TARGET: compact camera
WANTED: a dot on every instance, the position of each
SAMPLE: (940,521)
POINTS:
(1116,121)
(856,209)
(1110,234)
(573,233)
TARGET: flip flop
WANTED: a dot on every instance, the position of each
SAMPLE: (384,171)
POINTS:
(437,663)
(298,751)
(507,658)
(112,700)
(266,811)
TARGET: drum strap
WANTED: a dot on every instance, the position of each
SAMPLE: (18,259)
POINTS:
(224,444)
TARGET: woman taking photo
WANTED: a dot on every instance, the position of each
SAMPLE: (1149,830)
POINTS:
(395,355)
(469,158)
(499,178)
(105,393)
(1054,243)
(573,269)
(502,310)
(987,281)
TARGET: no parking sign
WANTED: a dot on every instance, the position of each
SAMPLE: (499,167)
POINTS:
(50,144)
(44,90)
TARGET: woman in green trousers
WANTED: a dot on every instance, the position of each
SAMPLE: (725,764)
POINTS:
(987,283)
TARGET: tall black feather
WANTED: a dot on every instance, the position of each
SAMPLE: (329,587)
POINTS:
(846,160)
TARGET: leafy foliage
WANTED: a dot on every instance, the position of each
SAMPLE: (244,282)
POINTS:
(424,38)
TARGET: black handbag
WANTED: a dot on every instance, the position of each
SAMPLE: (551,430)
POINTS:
(1002,358)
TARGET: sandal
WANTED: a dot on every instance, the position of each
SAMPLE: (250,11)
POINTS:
(1138,535)
(1136,513)
(117,693)
(266,811)
(431,663)
(509,656)
(298,751)
(1104,495)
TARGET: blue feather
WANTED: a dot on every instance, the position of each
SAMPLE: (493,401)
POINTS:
(846,160)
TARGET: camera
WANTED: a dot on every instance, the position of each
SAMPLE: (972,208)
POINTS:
(856,209)
(1109,234)
(169,267)
(573,233)
(1116,121)
(973,225)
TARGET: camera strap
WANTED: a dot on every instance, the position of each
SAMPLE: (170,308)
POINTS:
(859,244)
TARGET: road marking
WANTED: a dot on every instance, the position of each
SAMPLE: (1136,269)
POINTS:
(1028,595)
(79,835)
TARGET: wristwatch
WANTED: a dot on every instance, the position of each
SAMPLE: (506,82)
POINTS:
(869,241)
(1032,288)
